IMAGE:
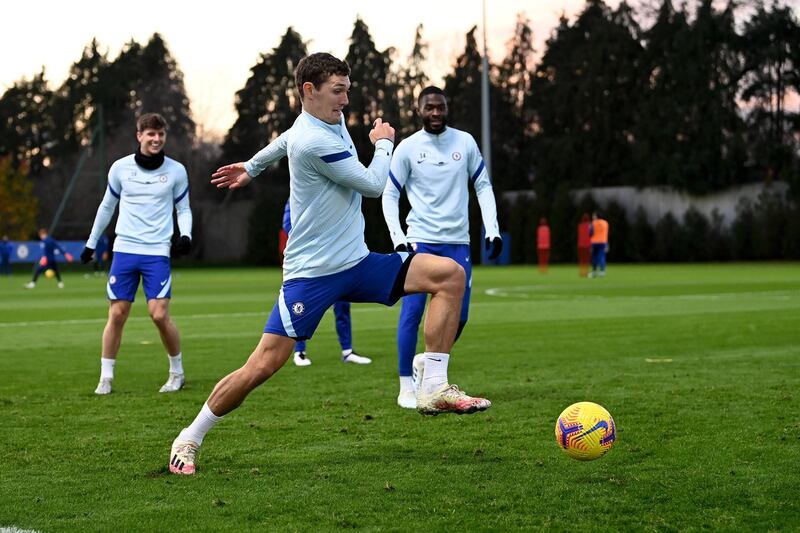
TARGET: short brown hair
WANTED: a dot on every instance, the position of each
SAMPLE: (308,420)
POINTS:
(317,68)
(151,121)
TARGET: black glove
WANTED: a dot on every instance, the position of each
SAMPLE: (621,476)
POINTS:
(183,245)
(86,255)
(494,247)
(407,247)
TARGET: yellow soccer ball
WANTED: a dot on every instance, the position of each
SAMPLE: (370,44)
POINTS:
(585,431)
(49,273)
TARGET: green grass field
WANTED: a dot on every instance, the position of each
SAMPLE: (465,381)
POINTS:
(698,364)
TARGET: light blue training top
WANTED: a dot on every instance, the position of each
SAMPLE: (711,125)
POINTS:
(146,199)
(326,183)
(436,171)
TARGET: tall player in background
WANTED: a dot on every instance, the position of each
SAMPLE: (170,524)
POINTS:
(436,166)
(327,259)
(147,185)
(341,313)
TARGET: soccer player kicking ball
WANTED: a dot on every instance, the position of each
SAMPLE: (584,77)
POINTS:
(147,186)
(326,258)
(436,166)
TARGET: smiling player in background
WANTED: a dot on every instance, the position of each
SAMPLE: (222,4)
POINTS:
(436,166)
(147,185)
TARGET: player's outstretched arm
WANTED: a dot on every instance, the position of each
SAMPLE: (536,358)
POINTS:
(231,176)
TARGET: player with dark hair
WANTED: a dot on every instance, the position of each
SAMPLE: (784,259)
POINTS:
(148,186)
(48,261)
(435,165)
(327,259)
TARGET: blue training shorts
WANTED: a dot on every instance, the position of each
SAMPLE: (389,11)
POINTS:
(302,301)
(123,278)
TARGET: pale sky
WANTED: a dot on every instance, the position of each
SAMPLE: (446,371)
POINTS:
(216,43)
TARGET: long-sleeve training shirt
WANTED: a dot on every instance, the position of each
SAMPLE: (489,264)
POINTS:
(326,182)
(146,199)
(436,171)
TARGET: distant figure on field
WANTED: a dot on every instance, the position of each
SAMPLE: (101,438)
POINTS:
(599,237)
(584,245)
(5,256)
(543,244)
(48,260)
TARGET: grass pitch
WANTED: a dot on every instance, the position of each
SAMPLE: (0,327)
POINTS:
(698,364)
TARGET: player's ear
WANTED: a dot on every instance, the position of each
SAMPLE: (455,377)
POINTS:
(308,89)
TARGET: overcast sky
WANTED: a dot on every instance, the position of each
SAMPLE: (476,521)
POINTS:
(216,43)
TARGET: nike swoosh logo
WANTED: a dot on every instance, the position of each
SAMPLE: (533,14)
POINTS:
(420,161)
(164,282)
(432,359)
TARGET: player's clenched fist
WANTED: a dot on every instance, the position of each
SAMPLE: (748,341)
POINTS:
(381,130)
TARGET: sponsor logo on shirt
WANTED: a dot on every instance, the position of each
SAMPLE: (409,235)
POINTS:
(298,308)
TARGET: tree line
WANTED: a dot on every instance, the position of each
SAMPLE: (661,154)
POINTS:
(693,98)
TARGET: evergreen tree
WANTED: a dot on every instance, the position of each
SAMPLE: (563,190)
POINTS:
(267,106)
(372,95)
(162,91)
(463,89)
(584,100)
(771,48)
(269,102)
(75,104)
(662,150)
(27,133)
(513,84)
(516,70)
(410,80)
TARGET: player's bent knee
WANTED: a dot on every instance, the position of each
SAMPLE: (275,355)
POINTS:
(456,279)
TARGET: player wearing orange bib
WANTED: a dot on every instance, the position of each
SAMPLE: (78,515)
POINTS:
(598,232)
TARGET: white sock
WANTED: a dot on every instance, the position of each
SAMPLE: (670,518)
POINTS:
(435,375)
(107,368)
(345,353)
(406,384)
(202,424)
(176,363)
